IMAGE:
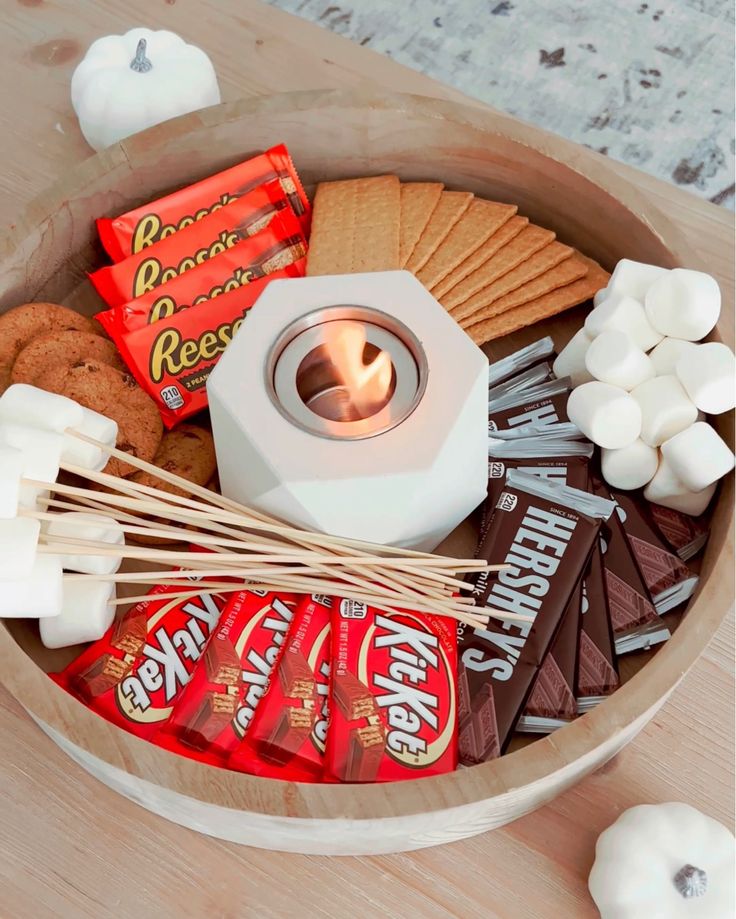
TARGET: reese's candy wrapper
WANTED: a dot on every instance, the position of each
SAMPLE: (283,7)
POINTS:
(538,406)
(393,708)
(172,359)
(135,674)
(214,714)
(146,225)
(180,253)
(597,673)
(287,737)
(544,532)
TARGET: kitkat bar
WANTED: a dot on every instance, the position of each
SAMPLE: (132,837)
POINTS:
(669,581)
(393,702)
(136,673)
(551,703)
(544,532)
(172,359)
(634,618)
(214,714)
(686,535)
(289,729)
(597,672)
(146,225)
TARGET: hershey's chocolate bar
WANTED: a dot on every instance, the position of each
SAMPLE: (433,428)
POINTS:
(686,535)
(544,532)
(669,581)
(597,672)
(525,357)
(551,703)
(539,405)
(635,622)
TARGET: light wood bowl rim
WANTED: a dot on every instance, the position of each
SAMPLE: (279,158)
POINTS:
(530,767)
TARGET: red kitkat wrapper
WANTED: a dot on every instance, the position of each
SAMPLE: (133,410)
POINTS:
(135,674)
(275,245)
(146,225)
(172,359)
(289,729)
(215,712)
(393,700)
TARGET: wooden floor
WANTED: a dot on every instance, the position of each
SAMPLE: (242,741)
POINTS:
(72,849)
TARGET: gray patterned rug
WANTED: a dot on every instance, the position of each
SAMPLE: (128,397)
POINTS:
(648,83)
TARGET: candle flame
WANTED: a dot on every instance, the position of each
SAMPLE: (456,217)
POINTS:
(367,385)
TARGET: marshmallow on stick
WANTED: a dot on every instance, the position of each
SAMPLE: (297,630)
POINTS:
(37,594)
(87,612)
(92,528)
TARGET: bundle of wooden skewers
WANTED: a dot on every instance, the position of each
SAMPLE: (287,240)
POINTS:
(232,546)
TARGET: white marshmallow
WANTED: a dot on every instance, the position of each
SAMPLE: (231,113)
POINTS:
(623,314)
(600,296)
(78,453)
(570,362)
(708,373)
(87,612)
(91,527)
(667,353)
(614,358)
(666,489)
(28,405)
(629,467)
(606,414)
(666,409)
(18,543)
(684,304)
(634,278)
(11,472)
(698,456)
(41,450)
(37,595)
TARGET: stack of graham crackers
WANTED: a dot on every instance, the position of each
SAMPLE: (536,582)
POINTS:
(491,269)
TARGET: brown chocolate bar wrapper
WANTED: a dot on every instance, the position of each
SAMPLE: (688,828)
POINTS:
(635,622)
(478,738)
(570,470)
(597,672)
(546,542)
(551,703)
(669,581)
(545,410)
(686,535)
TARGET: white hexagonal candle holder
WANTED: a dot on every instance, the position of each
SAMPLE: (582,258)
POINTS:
(353,405)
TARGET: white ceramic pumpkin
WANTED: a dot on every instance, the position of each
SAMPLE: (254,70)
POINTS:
(126,83)
(664,861)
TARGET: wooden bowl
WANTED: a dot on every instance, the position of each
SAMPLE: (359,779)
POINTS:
(336,135)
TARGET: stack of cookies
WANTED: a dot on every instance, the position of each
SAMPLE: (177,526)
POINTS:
(491,268)
(61,351)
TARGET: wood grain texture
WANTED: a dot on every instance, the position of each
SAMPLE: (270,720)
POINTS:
(71,847)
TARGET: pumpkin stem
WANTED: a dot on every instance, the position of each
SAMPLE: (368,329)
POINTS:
(140,62)
(691,881)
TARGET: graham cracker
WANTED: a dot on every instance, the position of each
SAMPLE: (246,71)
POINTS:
(544,307)
(481,220)
(568,271)
(355,226)
(450,208)
(481,255)
(542,265)
(418,200)
(530,240)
